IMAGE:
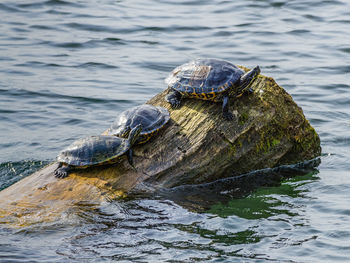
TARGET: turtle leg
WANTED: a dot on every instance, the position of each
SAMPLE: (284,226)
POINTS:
(225,112)
(130,159)
(174,98)
(62,171)
(129,156)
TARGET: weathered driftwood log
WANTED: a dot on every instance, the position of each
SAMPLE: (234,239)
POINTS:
(196,146)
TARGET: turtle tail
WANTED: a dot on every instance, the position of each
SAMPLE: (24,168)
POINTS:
(134,134)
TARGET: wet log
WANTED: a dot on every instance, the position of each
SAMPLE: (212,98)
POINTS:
(196,146)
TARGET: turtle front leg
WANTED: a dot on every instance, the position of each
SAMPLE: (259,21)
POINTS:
(62,171)
(129,156)
(130,159)
(174,98)
(225,105)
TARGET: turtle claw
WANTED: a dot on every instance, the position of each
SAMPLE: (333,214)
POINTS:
(228,116)
(175,104)
(174,98)
(61,172)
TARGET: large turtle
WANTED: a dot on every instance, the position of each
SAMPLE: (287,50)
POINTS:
(152,119)
(95,150)
(209,79)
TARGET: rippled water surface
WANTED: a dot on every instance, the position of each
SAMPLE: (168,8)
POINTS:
(67,68)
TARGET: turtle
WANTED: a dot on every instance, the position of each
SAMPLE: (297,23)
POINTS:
(95,150)
(209,79)
(152,118)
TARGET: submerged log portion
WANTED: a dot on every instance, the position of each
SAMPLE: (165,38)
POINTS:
(196,146)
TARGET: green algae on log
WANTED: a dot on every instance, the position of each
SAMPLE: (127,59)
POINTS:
(196,146)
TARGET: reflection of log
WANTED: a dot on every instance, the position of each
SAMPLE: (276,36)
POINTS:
(202,197)
(196,146)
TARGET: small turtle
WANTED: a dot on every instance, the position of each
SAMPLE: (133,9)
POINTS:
(95,150)
(209,79)
(152,119)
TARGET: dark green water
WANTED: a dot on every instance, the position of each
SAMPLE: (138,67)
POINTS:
(67,68)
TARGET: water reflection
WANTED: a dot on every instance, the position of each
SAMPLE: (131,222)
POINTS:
(235,193)
(266,201)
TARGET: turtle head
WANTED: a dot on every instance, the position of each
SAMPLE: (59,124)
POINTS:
(248,78)
(124,133)
(134,134)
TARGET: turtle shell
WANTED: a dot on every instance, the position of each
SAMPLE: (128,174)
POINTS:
(94,150)
(152,118)
(204,76)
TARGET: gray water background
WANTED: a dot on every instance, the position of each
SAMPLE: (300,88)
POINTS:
(67,68)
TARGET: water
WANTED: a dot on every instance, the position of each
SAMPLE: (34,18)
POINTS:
(67,68)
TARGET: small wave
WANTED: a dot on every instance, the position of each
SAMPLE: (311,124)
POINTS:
(73,121)
(158,66)
(48,3)
(69,45)
(345,49)
(114,30)
(174,28)
(105,42)
(314,18)
(11,172)
(336,69)
(32,64)
(148,42)
(224,33)
(298,32)
(187,2)
(119,41)
(245,25)
(44,27)
(6,59)
(9,8)
(97,65)
(88,44)
(95,28)
(20,72)
(61,2)
(113,39)
(340,21)
(48,94)
(7,111)
(335,87)
(57,12)
(18,38)
(305,5)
